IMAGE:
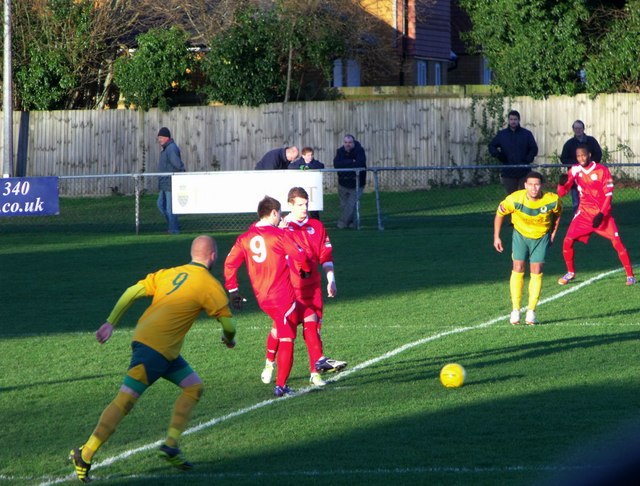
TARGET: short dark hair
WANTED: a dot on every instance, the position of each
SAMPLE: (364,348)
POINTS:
(535,175)
(267,205)
(306,150)
(514,113)
(578,121)
(295,192)
(583,146)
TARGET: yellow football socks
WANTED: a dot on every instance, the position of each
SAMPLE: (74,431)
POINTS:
(109,420)
(182,412)
(535,287)
(516,286)
(172,437)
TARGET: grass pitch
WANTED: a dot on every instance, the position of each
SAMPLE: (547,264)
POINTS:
(539,403)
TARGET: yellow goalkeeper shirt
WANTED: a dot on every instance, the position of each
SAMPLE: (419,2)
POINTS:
(179,295)
(531,218)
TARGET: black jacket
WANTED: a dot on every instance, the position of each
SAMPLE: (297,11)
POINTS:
(351,160)
(514,147)
(568,156)
(275,159)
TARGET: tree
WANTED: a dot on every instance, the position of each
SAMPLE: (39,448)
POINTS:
(242,65)
(158,66)
(613,66)
(63,49)
(356,24)
(264,55)
(534,47)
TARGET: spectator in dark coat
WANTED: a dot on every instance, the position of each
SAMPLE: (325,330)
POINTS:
(277,159)
(514,145)
(568,156)
(170,161)
(350,156)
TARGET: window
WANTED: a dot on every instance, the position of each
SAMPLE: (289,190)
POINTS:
(486,72)
(421,73)
(353,73)
(337,73)
(351,77)
(437,73)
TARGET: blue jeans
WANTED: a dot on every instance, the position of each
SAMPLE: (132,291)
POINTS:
(164,205)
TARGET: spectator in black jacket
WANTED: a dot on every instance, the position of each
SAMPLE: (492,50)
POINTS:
(514,145)
(277,159)
(350,156)
(568,156)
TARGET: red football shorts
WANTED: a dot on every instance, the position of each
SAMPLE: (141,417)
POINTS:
(286,320)
(581,228)
(311,300)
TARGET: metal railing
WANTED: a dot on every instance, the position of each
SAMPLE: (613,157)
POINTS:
(395,197)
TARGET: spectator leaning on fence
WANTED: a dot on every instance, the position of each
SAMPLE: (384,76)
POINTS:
(350,156)
(277,159)
(568,156)
(170,161)
(514,145)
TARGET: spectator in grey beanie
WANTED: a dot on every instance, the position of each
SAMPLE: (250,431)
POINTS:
(170,161)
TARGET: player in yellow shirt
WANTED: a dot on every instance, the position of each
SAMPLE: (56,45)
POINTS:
(179,295)
(535,216)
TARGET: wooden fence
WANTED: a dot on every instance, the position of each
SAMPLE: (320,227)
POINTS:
(395,133)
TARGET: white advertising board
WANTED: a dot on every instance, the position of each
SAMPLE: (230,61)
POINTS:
(240,191)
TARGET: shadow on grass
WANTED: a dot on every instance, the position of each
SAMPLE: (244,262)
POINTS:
(539,438)
(76,288)
(413,370)
(57,382)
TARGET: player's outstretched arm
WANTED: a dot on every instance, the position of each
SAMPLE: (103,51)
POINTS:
(497,226)
(554,229)
(564,184)
(332,290)
(232,263)
(104,332)
(124,302)
(237,299)
(228,331)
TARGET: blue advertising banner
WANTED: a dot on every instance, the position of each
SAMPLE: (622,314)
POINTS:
(29,196)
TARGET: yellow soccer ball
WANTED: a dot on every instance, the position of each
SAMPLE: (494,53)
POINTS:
(453,375)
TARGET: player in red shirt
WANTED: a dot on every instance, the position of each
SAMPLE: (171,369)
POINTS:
(264,249)
(310,235)
(595,186)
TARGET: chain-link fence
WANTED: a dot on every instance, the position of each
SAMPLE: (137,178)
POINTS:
(393,198)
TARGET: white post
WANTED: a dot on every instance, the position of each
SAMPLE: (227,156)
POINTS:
(7,105)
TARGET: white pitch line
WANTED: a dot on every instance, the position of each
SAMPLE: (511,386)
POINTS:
(302,391)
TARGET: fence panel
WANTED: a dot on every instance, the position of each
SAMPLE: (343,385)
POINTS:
(395,133)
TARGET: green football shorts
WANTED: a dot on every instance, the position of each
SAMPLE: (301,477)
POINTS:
(522,247)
